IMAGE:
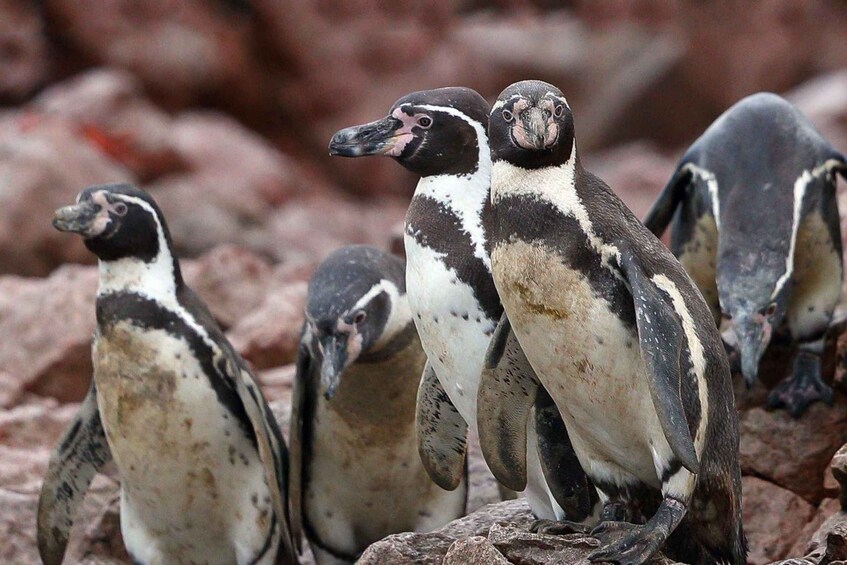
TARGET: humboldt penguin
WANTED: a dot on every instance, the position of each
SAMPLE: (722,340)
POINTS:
(600,313)
(756,225)
(202,462)
(441,136)
(356,476)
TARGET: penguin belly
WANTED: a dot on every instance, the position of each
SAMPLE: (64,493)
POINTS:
(588,360)
(817,275)
(192,484)
(365,479)
(453,328)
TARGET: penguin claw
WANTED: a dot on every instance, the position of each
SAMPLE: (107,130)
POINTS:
(636,546)
(558,527)
(796,395)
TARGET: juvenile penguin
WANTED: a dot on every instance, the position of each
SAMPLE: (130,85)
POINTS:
(756,225)
(620,337)
(201,460)
(356,476)
(441,135)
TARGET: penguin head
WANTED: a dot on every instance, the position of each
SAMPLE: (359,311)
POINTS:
(431,132)
(356,304)
(116,221)
(531,126)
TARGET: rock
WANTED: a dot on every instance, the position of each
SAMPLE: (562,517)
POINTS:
(809,544)
(773,519)
(484,488)
(44,162)
(11,390)
(52,321)
(475,550)
(838,468)
(231,280)
(269,336)
(824,101)
(793,453)
(24,65)
(109,108)
(35,425)
(309,230)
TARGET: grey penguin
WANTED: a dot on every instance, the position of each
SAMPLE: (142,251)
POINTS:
(356,476)
(756,225)
(441,136)
(601,314)
(202,463)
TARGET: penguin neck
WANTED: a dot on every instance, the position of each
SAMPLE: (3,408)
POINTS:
(159,279)
(399,319)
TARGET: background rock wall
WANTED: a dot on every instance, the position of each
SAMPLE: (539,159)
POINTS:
(223,110)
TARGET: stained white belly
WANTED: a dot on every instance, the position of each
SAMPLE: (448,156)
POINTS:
(589,362)
(193,487)
(454,330)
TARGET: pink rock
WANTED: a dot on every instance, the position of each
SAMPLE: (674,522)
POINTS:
(269,336)
(773,519)
(809,542)
(52,321)
(35,425)
(24,63)
(793,453)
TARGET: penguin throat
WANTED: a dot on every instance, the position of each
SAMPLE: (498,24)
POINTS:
(158,279)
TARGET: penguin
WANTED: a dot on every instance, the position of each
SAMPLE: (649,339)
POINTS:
(441,136)
(202,463)
(756,225)
(598,312)
(356,476)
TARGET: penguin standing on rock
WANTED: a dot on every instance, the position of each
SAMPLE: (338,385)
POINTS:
(441,135)
(601,314)
(756,225)
(356,476)
(201,459)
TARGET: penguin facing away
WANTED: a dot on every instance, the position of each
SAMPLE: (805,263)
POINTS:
(756,225)
(201,459)
(441,135)
(356,476)
(620,337)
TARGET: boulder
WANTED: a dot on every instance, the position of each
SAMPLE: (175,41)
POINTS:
(24,64)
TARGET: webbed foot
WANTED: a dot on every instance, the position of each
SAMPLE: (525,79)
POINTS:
(803,388)
(558,527)
(626,544)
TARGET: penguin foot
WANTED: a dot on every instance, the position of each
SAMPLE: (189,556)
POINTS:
(558,527)
(626,544)
(803,388)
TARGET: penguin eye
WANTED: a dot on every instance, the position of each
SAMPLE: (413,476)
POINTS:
(770,309)
(508,115)
(359,317)
(559,111)
(120,208)
(424,122)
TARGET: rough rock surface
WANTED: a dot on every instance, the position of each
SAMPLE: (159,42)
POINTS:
(773,519)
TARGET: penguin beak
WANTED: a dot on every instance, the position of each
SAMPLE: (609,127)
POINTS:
(754,335)
(334,350)
(375,138)
(77,218)
(533,132)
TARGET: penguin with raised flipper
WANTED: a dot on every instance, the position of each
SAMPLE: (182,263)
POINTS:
(756,225)
(201,460)
(441,135)
(356,476)
(618,334)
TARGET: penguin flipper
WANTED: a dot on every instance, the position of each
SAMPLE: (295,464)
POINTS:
(441,431)
(563,473)
(662,211)
(272,452)
(296,439)
(660,336)
(507,391)
(81,453)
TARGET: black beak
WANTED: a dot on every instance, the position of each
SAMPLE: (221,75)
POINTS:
(334,359)
(76,218)
(754,339)
(375,138)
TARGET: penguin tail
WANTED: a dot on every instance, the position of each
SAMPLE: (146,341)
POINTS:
(661,214)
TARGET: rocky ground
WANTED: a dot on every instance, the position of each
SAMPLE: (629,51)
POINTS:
(222,110)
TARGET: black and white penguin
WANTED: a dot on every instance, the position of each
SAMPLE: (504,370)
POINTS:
(356,476)
(441,135)
(201,460)
(620,337)
(757,228)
